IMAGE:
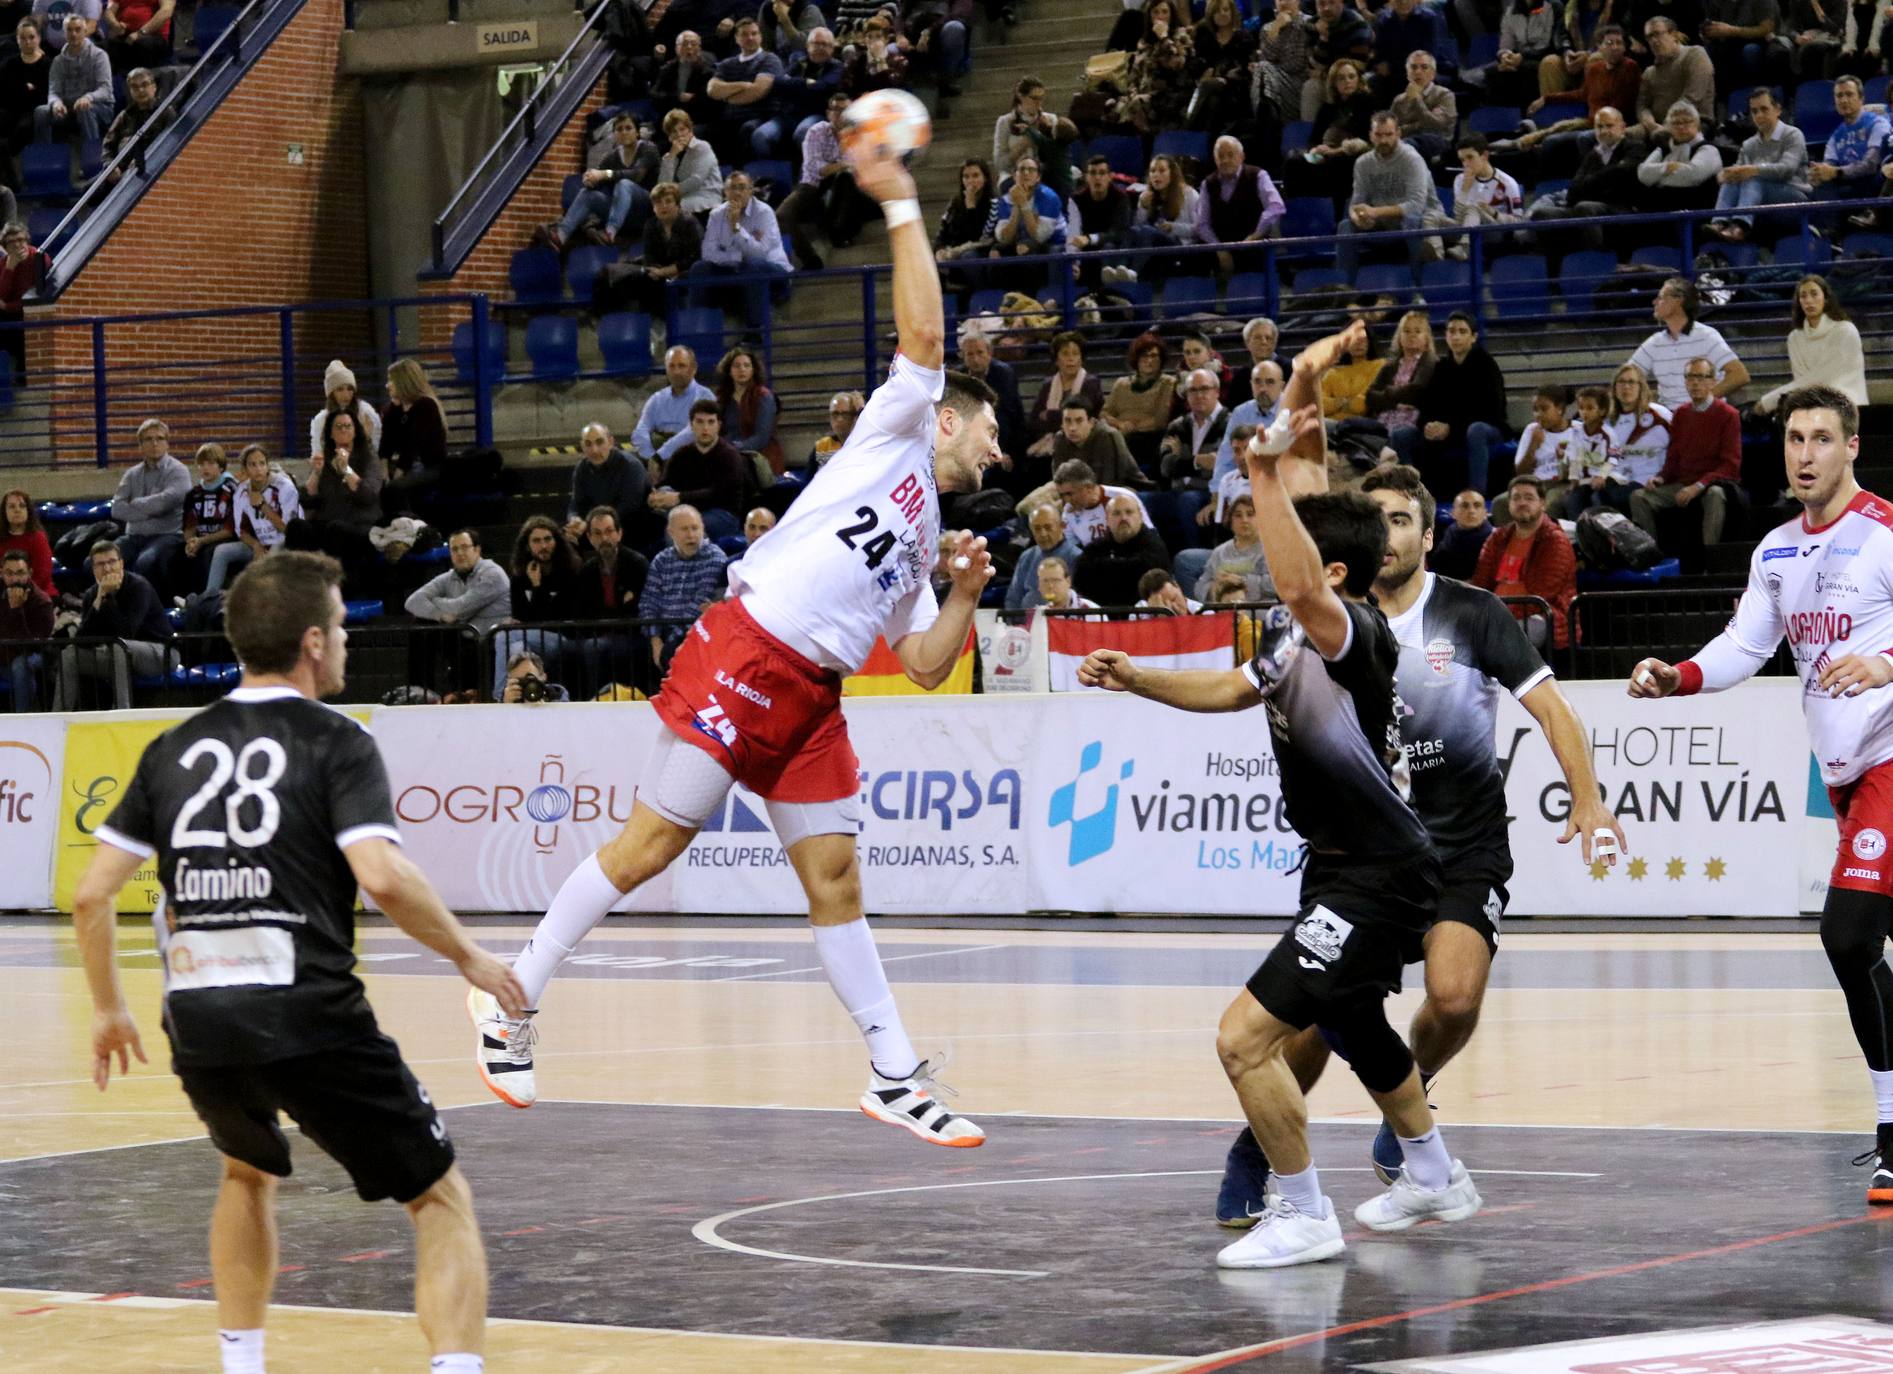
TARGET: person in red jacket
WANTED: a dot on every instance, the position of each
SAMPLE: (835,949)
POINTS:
(1705,451)
(1531,557)
(20,529)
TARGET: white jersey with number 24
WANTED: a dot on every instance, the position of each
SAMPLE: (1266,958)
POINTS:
(854,557)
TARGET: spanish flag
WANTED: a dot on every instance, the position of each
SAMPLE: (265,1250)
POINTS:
(882,675)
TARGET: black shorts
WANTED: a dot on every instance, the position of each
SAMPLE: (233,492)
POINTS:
(1473,892)
(357,1102)
(1360,926)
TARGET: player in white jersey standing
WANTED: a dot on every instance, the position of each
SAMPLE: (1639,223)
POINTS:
(1826,582)
(754,694)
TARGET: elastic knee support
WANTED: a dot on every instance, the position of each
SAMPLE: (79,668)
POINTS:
(1375,1051)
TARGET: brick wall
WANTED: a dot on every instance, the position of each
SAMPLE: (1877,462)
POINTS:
(536,202)
(230,223)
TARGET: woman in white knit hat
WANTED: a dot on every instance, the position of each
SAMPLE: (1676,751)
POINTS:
(339,393)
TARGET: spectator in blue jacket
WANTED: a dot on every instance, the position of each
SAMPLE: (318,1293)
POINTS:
(1049,540)
(813,76)
(667,411)
(745,84)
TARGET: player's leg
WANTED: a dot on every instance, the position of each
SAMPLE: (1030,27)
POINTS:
(450,1275)
(1297,1224)
(1855,923)
(1243,1193)
(243,1249)
(683,785)
(819,838)
(1431,1183)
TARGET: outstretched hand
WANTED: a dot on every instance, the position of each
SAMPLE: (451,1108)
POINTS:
(878,171)
(970,550)
(1112,669)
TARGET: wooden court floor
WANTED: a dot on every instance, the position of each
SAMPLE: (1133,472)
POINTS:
(1713,1032)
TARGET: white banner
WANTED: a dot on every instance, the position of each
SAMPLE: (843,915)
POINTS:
(32,761)
(1012,658)
(1713,807)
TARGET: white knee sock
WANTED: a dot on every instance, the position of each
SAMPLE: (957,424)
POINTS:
(853,966)
(1427,1161)
(1302,1189)
(1883,1092)
(585,900)
(458,1364)
(242,1351)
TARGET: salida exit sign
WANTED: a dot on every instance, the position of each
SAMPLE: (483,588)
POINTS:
(507,37)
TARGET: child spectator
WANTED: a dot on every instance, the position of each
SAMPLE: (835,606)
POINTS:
(1590,463)
(266,501)
(1544,448)
(210,519)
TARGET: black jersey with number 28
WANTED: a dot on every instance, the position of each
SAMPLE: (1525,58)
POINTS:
(248,806)
(1337,737)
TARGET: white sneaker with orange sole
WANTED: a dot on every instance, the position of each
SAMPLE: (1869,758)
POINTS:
(504,1054)
(913,1104)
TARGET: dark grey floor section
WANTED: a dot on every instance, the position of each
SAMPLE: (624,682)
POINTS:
(790,958)
(588,1211)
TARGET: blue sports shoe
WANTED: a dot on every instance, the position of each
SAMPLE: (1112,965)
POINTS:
(1389,1159)
(1242,1201)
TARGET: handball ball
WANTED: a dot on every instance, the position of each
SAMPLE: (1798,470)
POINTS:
(890,119)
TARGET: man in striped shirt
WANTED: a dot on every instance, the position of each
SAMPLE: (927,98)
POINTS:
(826,193)
(1666,354)
(684,579)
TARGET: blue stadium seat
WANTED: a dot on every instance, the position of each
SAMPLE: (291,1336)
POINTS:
(92,156)
(1520,286)
(41,222)
(1125,152)
(361,612)
(46,172)
(1495,121)
(1142,301)
(985,301)
(1298,135)
(1625,577)
(1870,245)
(535,277)
(569,189)
(1874,92)
(1812,98)
(1818,127)
(1658,256)
(1316,278)
(733,545)
(1248,294)
(1483,51)
(1187,296)
(463,352)
(1445,189)
(773,179)
(1447,287)
(210,22)
(700,329)
(1549,186)
(583,264)
(1308,217)
(1385,279)
(1808,253)
(1182,143)
(1580,274)
(552,345)
(624,337)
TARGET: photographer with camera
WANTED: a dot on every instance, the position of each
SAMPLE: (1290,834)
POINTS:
(526,680)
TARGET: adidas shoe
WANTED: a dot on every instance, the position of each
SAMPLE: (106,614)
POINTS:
(1880,1185)
(1389,1158)
(1406,1204)
(1244,1194)
(1284,1235)
(912,1104)
(504,1054)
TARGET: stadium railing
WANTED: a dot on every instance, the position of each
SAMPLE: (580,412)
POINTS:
(249,374)
(1612,631)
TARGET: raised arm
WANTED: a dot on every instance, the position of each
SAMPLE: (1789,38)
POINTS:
(919,312)
(1190,689)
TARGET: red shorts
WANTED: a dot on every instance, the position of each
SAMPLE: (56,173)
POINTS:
(760,709)
(1864,808)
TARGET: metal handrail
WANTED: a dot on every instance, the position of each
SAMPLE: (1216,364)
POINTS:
(524,125)
(225,50)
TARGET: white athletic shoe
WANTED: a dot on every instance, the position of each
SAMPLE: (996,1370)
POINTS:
(504,1054)
(1406,1204)
(1285,1235)
(912,1103)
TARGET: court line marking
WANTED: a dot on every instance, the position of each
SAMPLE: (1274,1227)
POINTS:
(707,1230)
(1215,1120)
(785,972)
(1225,1359)
(64,1298)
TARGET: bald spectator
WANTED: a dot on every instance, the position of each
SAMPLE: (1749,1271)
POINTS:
(844,408)
(1266,381)
(1082,499)
(684,578)
(667,412)
(1109,569)
(1238,204)
(1426,111)
(1049,541)
(683,81)
(1393,189)
(605,476)
(1704,462)
(1677,71)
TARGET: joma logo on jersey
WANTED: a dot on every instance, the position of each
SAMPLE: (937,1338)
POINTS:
(1823,626)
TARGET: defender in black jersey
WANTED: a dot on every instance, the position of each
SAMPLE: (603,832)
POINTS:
(265,812)
(1324,670)
(1459,646)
